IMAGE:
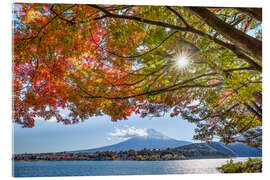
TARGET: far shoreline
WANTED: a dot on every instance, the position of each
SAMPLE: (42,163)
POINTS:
(133,160)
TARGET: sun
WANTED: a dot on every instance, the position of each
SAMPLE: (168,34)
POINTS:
(183,60)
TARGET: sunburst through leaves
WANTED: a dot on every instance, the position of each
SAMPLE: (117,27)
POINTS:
(183,60)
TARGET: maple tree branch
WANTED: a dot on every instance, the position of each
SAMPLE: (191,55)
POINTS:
(49,22)
(246,127)
(170,88)
(99,8)
(240,69)
(220,113)
(34,75)
(231,47)
(255,13)
(60,17)
(152,73)
(158,76)
(146,74)
(258,108)
(258,96)
(178,15)
(40,30)
(154,92)
(139,19)
(237,21)
(132,56)
(116,8)
(253,111)
(141,80)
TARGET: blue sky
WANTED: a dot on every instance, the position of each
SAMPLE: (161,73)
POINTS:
(50,136)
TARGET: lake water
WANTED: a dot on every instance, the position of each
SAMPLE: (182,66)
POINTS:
(104,168)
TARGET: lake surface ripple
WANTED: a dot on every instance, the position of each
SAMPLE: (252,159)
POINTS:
(105,168)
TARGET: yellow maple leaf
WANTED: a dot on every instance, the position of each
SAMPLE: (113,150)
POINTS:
(32,15)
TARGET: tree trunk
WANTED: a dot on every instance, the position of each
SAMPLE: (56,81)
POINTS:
(246,43)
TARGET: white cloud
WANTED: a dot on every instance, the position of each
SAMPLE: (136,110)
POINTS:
(109,138)
(51,120)
(130,132)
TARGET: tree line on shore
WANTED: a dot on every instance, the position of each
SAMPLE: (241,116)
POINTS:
(141,155)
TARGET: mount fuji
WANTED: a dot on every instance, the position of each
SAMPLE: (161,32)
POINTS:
(153,140)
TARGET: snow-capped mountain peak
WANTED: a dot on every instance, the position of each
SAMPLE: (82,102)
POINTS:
(153,134)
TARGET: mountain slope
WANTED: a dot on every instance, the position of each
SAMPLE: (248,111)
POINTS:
(153,140)
(233,149)
(243,150)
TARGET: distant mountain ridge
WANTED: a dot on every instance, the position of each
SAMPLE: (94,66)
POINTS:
(156,140)
(233,149)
